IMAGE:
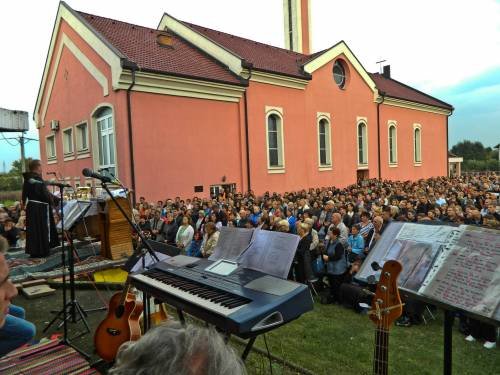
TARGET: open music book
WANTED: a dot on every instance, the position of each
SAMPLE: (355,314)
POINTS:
(457,266)
(261,250)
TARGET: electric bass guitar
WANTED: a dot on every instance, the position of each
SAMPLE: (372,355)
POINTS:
(386,308)
(121,324)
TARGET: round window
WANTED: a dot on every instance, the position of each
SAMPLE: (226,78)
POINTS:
(339,74)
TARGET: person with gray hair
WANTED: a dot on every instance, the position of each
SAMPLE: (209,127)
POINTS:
(181,350)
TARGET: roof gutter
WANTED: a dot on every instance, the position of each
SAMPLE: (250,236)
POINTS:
(382,96)
(126,64)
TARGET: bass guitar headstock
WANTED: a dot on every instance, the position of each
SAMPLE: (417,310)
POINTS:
(386,303)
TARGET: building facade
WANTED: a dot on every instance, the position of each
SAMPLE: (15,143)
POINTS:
(183,110)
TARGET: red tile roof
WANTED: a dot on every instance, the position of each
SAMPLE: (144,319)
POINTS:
(399,90)
(139,45)
(262,56)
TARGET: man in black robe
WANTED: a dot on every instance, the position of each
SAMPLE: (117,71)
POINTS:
(41,233)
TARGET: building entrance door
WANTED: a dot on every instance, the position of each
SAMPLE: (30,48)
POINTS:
(362,174)
(216,190)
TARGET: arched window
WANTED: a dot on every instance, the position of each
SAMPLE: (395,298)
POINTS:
(106,139)
(275,155)
(324,143)
(417,144)
(393,148)
(362,144)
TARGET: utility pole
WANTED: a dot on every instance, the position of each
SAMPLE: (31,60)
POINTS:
(23,156)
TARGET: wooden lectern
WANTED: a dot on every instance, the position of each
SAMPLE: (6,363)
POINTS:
(116,234)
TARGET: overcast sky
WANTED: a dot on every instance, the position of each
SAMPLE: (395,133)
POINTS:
(449,49)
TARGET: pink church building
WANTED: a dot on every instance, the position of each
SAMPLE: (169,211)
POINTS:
(182,110)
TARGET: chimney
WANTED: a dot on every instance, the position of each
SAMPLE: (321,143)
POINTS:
(387,71)
(297,14)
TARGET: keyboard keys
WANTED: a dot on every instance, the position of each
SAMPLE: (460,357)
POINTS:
(194,291)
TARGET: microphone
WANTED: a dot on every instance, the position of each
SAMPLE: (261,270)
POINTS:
(50,183)
(87,172)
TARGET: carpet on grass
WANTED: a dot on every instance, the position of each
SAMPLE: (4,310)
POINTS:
(87,260)
(48,358)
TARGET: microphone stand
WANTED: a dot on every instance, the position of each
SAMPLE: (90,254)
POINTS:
(139,253)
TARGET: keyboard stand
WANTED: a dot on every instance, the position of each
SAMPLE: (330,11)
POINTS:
(248,347)
(182,320)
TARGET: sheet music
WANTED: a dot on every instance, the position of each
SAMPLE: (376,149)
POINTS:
(73,211)
(415,246)
(148,261)
(425,233)
(270,252)
(232,242)
(469,275)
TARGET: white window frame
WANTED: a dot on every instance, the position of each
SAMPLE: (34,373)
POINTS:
(51,158)
(278,112)
(323,116)
(362,120)
(417,161)
(392,124)
(78,138)
(99,138)
(68,154)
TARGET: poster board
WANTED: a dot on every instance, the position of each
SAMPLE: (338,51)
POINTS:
(457,267)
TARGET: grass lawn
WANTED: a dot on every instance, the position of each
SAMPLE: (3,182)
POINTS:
(334,340)
(328,340)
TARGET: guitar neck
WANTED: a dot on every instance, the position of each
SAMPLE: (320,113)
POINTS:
(381,352)
(125,292)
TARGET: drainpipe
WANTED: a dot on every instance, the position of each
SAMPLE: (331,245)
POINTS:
(133,67)
(247,142)
(382,95)
(447,148)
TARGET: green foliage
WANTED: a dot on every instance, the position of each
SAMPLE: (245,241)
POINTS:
(9,182)
(16,166)
(471,150)
(13,180)
(481,165)
(476,156)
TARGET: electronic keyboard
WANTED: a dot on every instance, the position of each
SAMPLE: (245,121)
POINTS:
(244,302)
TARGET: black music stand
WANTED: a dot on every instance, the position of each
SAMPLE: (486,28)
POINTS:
(74,213)
(63,311)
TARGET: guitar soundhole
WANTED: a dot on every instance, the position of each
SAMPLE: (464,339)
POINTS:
(113,332)
(119,311)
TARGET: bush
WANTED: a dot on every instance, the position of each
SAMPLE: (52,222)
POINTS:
(481,165)
(7,198)
(10,182)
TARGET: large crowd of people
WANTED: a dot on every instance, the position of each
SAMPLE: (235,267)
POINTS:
(360,213)
(337,226)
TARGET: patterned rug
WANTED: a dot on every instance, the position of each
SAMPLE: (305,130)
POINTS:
(48,358)
(24,268)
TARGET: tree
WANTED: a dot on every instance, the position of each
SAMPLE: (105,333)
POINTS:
(16,166)
(470,150)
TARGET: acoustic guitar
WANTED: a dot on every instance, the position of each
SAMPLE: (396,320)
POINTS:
(120,325)
(386,308)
